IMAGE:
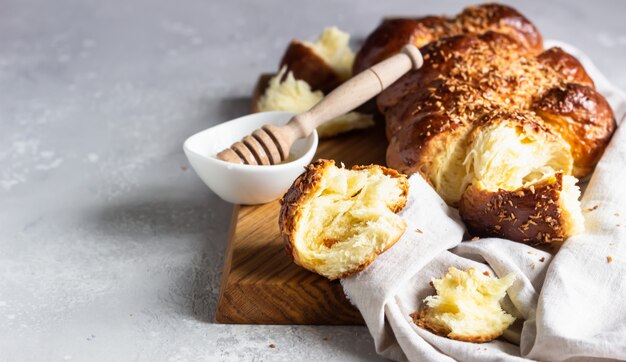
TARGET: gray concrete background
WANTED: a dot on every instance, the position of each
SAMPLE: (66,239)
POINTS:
(110,247)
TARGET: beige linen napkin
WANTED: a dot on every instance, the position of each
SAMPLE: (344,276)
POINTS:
(570,306)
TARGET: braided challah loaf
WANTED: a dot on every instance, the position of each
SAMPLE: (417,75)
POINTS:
(498,127)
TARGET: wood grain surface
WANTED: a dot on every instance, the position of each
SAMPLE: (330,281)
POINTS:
(260,283)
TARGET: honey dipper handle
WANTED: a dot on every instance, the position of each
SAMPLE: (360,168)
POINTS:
(355,91)
(271,144)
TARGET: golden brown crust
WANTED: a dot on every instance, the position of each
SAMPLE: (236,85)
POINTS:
(532,215)
(299,192)
(437,63)
(583,118)
(465,77)
(303,189)
(419,144)
(421,319)
(565,65)
(391,35)
(310,67)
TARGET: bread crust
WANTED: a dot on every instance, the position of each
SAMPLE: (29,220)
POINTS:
(392,35)
(532,215)
(303,190)
(583,118)
(436,64)
(423,142)
(306,65)
(421,319)
(566,65)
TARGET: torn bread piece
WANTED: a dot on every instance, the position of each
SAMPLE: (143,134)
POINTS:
(286,93)
(545,213)
(325,63)
(519,183)
(467,306)
(335,221)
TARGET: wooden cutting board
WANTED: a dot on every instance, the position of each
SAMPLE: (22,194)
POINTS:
(260,283)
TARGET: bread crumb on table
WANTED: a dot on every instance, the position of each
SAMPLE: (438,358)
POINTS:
(272,345)
(419,231)
(593,208)
(542,259)
(609,259)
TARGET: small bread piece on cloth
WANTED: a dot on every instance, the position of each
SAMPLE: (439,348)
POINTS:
(335,221)
(467,306)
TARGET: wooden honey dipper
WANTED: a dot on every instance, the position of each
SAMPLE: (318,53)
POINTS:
(270,145)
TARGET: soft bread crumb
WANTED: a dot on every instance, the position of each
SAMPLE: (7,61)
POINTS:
(286,93)
(509,156)
(571,212)
(467,306)
(332,47)
(335,221)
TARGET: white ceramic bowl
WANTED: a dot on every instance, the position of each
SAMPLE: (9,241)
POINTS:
(246,184)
